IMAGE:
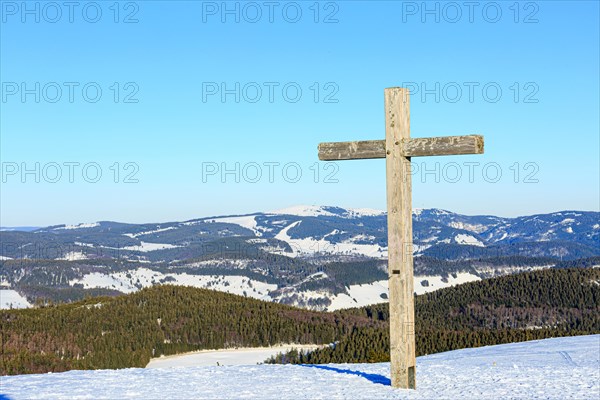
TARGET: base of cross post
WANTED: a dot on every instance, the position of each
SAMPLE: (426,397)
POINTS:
(404,379)
(412,383)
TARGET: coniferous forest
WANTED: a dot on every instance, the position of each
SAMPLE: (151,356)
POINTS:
(126,331)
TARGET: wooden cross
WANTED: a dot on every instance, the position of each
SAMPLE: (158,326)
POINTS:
(397,149)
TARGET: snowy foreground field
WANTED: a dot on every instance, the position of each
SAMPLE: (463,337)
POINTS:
(552,368)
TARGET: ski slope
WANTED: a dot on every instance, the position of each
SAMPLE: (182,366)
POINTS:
(558,368)
(240,356)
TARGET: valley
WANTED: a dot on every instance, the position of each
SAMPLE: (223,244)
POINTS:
(315,257)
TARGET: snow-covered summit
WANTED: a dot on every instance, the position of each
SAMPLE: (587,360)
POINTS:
(558,368)
(330,211)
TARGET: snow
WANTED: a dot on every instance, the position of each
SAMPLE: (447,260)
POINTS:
(248,222)
(134,235)
(5,258)
(553,368)
(360,295)
(79,226)
(84,244)
(361,237)
(100,280)
(567,221)
(12,299)
(143,246)
(438,211)
(238,356)
(364,212)
(73,256)
(315,211)
(302,211)
(435,281)
(367,294)
(477,228)
(369,250)
(146,246)
(145,277)
(467,239)
(309,246)
(419,248)
(499,270)
(297,246)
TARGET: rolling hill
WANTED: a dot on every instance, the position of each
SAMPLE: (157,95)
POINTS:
(127,330)
(322,258)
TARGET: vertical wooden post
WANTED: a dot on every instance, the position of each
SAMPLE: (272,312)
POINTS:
(399,223)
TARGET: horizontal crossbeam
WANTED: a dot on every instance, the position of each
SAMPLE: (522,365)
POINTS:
(417,147)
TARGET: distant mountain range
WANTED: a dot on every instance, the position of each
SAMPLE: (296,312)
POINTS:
(19,228)
(313,256)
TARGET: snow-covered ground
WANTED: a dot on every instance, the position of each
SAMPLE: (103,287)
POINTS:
(12,299)
(309,246)
(130,281)
(146,246)
(134,235)
(82,225)
(73,256)
(316,211)
(553,368)
(360,295)
(377,292)
(435,282)
(248,221)
(241,356)
(468,239)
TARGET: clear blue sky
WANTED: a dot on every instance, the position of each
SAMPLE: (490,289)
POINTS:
(543,56)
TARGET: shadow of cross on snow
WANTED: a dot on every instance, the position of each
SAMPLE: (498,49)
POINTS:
(375,378)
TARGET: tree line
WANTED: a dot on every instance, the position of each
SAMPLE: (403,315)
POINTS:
(514,308)
(127,330)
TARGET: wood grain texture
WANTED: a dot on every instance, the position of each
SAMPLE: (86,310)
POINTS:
(352,150)
(399,221)
(444,146)
(397,149)
(417,147)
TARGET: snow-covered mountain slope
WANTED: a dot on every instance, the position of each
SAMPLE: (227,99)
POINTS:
(356,295)
(317,211)
(306,231)
(269,255)
(365,294)
(561,368)
(12,299)
(135,279)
